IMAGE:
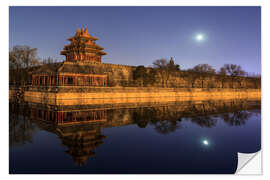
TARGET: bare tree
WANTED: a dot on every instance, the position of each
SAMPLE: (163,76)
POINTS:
(21,58)
(232,70)
(139,75)
(204,68)
(166,69)
(162,66)
(202,71)
(222,71)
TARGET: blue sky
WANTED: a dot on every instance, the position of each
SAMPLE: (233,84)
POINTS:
(140,35)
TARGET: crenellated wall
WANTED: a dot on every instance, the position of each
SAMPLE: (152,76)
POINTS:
(122,76)
(118,75)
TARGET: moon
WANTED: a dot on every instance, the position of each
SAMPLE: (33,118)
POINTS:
(205,142)
(199,37)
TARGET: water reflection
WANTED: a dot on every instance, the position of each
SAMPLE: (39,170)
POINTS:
(204,121)
(21,128)
(237,118)
(80,128)
(205,142)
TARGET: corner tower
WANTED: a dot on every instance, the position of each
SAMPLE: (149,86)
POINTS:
(83,48)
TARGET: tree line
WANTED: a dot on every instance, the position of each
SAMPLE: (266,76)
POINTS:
(164,72)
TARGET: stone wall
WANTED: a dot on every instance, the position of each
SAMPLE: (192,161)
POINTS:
(122,75)
(118,75)
(124,95)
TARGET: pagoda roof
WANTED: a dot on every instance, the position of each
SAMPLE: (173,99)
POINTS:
(92,49)
(86,45)
(83,43)
(48,68)
(74,68)
(34,68)
(80,69)
(83,33)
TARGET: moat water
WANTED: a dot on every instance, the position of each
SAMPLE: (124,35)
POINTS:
(179,137)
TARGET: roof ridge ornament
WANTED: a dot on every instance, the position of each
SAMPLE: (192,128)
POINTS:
(82,30)
(86,32)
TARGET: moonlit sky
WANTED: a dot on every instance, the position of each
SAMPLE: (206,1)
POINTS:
(140,35)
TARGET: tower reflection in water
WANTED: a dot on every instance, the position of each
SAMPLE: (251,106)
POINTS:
(80,141)
(80,128)
(79,131)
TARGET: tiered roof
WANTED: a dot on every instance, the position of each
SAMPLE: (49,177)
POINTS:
(83,47)
(69,67)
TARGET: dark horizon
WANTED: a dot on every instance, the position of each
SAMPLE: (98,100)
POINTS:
(140,35)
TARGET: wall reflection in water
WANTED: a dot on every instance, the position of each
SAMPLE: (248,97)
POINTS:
(80,127)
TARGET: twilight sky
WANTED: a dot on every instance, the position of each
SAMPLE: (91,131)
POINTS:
(140,35)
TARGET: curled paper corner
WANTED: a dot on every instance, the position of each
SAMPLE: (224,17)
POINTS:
(249,163)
